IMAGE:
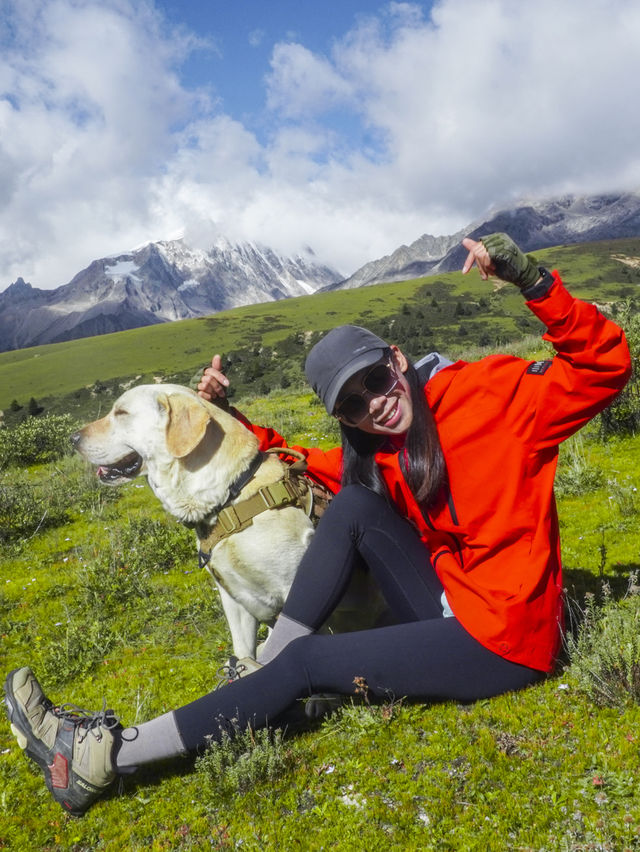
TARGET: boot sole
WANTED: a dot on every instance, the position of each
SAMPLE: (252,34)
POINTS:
(27,741)
(37,751)
(20,725)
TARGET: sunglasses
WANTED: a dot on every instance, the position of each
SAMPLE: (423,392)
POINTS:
(380,380)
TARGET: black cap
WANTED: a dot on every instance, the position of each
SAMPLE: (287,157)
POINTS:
(340,354)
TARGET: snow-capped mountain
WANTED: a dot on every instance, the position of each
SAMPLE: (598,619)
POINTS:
(540,224)
(160,282)
(167,281)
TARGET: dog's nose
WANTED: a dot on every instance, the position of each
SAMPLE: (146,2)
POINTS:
(75,439)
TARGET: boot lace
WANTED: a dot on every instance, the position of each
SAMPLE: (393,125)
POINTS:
(89,722)
(232,670)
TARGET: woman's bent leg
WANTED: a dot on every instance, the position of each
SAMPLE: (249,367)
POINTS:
(361,526)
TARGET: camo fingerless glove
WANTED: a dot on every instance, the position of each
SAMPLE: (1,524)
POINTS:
(510,263)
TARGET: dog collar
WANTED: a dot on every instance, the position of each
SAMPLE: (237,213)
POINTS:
(234,489)
(239,483)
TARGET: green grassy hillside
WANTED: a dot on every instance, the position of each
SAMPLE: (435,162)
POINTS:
(446,312)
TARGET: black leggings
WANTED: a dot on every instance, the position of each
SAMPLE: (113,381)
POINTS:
(426,656)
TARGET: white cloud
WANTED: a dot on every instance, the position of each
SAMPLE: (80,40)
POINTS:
(89,97)
(408,125)
(485,102)
(493,99)
(301,84)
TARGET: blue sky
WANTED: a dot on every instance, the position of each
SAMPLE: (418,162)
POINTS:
(351,127)
(240,36)
(238,41)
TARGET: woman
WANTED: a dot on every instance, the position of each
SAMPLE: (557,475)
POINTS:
(444,488)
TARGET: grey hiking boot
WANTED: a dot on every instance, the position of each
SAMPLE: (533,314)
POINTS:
(71,746)
(236,668)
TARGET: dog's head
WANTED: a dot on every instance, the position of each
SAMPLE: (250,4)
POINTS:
(148,423)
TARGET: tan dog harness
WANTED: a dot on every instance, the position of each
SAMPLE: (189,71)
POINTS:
(294,489)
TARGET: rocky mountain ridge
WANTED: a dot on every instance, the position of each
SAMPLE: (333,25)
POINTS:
(535,225)
(159,282)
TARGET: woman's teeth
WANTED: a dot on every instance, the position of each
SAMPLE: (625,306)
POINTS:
(390,415)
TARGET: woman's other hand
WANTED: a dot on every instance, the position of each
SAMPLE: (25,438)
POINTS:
(213,383)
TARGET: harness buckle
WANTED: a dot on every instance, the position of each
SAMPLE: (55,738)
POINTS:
(229,520)
(276,494)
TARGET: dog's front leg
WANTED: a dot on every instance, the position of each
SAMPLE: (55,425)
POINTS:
(243,626)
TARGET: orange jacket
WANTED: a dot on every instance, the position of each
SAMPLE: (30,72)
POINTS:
(493,536)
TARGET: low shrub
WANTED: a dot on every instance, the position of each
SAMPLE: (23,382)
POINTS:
(75,646)
(155,545)
(576,474)
(622,417)
(36,441)
(111,585)
(605,653)
(81,487)
(624,495)
(119,577)
(27,507)
(41,499)
(241,759)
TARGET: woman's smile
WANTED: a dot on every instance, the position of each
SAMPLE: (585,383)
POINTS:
(392,414)
(388,419)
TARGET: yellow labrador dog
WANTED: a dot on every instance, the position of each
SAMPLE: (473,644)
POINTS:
(194,454)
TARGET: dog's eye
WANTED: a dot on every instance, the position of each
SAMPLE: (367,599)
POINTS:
(119,412)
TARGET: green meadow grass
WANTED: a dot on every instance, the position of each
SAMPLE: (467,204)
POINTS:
(109,602)
(111,605)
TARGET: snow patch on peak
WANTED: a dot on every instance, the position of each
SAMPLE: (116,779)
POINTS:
(121,269)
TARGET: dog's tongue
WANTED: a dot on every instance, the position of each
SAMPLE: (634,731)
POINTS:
(127,468)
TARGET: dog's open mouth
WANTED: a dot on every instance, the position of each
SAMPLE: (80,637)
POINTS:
(126,468)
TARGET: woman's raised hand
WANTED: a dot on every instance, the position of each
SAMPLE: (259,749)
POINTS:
(213,383)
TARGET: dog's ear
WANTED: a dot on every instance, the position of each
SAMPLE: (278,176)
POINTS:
(186,425)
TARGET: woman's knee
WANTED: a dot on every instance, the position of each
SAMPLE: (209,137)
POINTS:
(357,502)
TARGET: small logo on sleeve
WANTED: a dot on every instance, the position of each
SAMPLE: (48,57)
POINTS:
(539,368)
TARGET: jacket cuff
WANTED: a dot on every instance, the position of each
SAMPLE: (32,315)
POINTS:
(553,309)
(540,288)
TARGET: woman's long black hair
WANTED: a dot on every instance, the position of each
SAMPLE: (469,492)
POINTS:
(423,465)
